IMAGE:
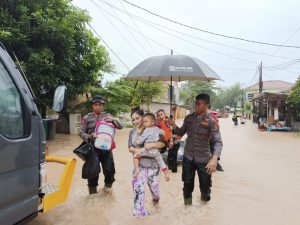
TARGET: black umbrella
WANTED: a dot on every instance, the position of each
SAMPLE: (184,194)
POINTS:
(172,68)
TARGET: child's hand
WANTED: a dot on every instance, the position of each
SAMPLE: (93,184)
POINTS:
(109,119)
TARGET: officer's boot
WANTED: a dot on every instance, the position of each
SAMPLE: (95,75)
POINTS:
(92,190)
(205,196)
(107,187)
(188,201)
(219,167)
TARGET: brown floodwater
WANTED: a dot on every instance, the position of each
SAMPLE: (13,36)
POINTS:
(260,185)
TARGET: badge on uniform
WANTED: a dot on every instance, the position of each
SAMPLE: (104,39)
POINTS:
(216,125)
(205,122)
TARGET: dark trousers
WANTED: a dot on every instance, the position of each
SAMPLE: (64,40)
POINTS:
(189,169)
(108,167)
(172,157)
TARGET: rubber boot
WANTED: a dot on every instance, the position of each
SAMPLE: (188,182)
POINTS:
(92,190)
(107,188)
(188,201)
(205,197)
(219,167)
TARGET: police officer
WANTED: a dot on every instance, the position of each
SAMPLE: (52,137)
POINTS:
(201,128)
(87,129)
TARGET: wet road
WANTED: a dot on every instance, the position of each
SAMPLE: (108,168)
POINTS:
(261,185)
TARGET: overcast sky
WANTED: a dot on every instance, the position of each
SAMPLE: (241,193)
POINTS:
(262,20)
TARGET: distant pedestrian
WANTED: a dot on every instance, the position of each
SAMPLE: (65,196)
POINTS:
(235,119)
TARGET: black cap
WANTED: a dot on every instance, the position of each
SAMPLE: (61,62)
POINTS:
(97,98)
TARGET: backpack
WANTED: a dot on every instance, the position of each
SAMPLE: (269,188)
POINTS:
(105,133)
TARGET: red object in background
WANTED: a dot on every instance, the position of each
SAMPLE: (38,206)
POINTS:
(162,124)
(214,114)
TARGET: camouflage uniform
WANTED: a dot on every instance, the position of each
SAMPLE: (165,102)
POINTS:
(200,131)
(87,128)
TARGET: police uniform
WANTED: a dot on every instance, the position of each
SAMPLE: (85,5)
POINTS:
(200,132)
(87,128)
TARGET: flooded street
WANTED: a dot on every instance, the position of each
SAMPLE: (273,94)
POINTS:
(260,185)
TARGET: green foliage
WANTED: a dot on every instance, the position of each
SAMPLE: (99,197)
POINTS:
(294,95)
(52,42)
(233,95)
(247,108)
(146,91)
(220,97)
(191,89)
(122,95)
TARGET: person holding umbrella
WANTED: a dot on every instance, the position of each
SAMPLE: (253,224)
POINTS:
(201,128)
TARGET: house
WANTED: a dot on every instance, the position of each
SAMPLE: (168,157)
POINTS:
(163,102)
(271,103)
(270,86)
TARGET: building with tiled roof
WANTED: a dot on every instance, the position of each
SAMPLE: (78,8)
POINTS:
(271,86)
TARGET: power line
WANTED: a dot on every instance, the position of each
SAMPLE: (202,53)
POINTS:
(156,42)
(145,21)
(209,32)
(128,42)
(129,31)
(286,64)
(108,46)
(137,27)
(283,43)
(227,68)
(253,78)
(190,42)
(233,73)
(285,70)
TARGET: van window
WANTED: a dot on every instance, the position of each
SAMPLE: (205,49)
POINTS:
(11,115)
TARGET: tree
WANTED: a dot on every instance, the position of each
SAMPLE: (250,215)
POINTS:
(220,96)
(122,94)
(54,46)
(191,89)
(147,91)
(233,95)
(294,98)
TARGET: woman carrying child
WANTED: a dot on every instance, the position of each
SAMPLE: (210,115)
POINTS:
(148,170)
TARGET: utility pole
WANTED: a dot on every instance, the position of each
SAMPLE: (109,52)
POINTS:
(260,82)
(260,89)
(171,92)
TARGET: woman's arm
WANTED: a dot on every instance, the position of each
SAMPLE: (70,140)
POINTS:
(158,145)
(131,150)
(135,151)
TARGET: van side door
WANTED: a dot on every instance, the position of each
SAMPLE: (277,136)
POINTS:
(19,148)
